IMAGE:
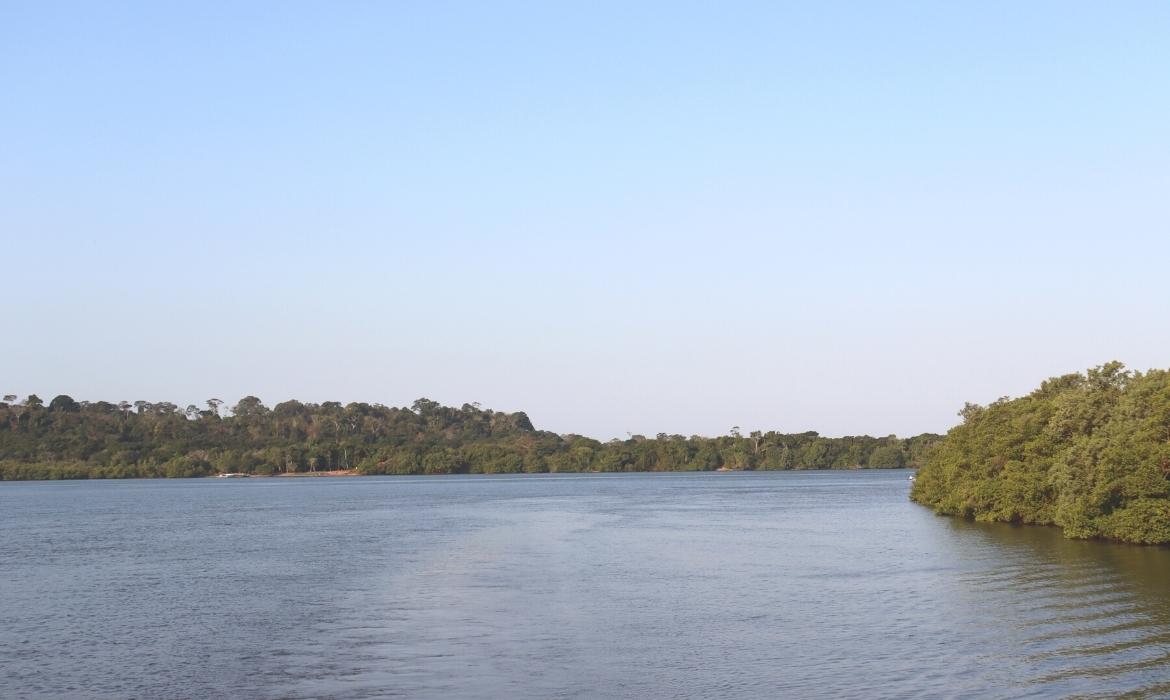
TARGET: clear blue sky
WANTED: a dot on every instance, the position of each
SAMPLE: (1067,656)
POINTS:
(617,216)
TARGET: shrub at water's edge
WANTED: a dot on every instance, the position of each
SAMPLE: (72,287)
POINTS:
(1087,452)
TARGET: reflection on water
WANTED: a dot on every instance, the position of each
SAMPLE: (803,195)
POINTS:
(670,585)
(1087,619)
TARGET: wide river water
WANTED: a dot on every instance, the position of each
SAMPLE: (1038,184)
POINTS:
(760,585)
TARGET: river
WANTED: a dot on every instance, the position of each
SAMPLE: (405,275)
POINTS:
(754,585)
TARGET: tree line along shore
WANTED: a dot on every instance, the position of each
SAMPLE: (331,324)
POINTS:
(1088,452)
(68,439)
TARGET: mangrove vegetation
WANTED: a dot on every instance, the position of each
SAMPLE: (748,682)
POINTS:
(1088,452)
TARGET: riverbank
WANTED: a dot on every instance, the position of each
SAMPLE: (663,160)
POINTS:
(328,473)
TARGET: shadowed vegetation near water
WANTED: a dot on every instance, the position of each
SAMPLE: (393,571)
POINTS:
(1087,452)
(67,439)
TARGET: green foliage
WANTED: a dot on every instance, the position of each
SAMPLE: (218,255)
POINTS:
(1087,452)
(97,440)
(890,456)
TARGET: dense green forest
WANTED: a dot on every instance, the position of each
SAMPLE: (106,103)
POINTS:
(67,439)
(1087,452)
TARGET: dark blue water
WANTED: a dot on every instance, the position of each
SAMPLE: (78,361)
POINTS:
(801,585)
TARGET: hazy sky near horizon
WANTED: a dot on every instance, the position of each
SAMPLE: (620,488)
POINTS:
(617,216)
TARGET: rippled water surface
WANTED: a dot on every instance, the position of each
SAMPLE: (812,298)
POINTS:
(800,585)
